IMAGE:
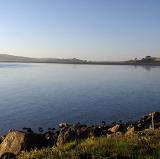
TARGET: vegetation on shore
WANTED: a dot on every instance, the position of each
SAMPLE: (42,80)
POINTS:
(140,145)
(131,140)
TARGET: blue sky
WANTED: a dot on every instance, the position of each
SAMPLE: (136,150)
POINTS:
(86,29)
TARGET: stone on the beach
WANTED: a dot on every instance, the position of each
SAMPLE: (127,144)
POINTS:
(130,131)
(78,132)
(115,128)
(17,141)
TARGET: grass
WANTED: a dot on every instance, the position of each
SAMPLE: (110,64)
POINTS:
(145,145)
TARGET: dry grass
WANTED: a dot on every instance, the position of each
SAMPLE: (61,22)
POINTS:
(145,145)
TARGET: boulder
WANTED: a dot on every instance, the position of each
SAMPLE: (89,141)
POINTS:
(17,141)
(130,131)
(78,132)
(73,133)
(115,128)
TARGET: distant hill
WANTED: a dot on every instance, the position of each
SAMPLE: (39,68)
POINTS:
(148,60)
(12,58)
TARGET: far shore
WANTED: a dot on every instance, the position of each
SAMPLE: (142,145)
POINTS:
(88,63)
(148,60)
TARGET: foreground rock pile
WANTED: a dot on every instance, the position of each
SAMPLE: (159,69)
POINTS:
(16,141)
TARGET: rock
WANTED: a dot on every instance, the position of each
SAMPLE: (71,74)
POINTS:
(17,141)
(62,125)
(78,132)
(66,134)
(73,133)
(130,131)
(114,129)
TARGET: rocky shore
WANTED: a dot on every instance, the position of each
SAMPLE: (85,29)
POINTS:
(16,141)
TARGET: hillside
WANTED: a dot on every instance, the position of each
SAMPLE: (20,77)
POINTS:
(12,58)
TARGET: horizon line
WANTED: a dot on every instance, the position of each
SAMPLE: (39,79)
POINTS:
(60,58)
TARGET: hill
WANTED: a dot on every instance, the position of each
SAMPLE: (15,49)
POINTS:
(12,58)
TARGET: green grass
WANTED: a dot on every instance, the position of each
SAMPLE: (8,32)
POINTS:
(139,146)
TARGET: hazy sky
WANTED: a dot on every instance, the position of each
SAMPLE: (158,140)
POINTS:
(86,29)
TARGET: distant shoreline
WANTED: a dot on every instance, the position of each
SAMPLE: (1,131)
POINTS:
(147,61)
(88,63)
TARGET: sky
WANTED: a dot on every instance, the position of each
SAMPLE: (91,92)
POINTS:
(85,29)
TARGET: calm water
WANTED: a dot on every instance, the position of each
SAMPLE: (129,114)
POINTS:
(34,95)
